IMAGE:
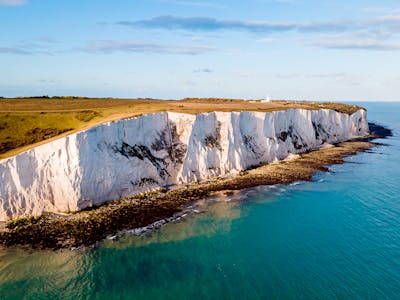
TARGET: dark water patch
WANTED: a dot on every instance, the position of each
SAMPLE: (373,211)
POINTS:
(379,131)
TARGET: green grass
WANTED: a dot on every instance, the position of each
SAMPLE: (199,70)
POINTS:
(22,129)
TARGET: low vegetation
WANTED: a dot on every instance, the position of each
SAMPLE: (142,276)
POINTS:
(21,129)
(27,122)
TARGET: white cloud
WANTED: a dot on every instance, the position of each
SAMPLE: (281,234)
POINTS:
(111,46)
(382,10)
(374,33)
(43,45)
(359,45)
(265,40)
(14,50)
(12,2)
(195,3)
(203,70)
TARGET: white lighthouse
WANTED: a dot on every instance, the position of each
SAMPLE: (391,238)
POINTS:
(267,99)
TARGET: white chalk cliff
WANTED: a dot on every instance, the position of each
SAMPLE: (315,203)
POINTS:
(129,156)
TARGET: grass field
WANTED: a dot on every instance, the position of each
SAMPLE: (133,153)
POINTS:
(28,122)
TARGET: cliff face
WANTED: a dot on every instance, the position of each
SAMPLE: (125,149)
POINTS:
(122,158)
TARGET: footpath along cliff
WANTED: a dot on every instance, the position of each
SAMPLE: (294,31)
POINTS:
(130,156)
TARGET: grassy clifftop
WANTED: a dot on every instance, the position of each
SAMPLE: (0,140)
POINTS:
(28,122)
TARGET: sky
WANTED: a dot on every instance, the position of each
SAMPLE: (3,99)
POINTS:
(170,49)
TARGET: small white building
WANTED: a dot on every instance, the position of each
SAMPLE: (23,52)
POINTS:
(268,99)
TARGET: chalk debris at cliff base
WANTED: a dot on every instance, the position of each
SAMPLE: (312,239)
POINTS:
(119,159)
(87,227)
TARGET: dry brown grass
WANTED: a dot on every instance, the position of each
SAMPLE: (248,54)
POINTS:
(22,118)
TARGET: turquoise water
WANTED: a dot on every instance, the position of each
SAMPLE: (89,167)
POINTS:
(335,237)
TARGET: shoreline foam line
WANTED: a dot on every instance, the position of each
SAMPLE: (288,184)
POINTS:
(85,228)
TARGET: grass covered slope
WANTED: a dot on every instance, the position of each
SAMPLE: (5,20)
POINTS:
(21,129)
(28,122)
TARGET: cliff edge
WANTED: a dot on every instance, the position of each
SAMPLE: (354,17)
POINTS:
(130,156)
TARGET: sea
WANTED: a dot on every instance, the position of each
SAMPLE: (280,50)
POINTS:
(336,237)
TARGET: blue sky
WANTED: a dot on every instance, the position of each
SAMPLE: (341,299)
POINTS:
(288,49)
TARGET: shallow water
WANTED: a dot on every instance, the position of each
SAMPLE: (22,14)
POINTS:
(335,237)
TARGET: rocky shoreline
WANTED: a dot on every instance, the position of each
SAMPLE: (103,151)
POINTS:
(87,227)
